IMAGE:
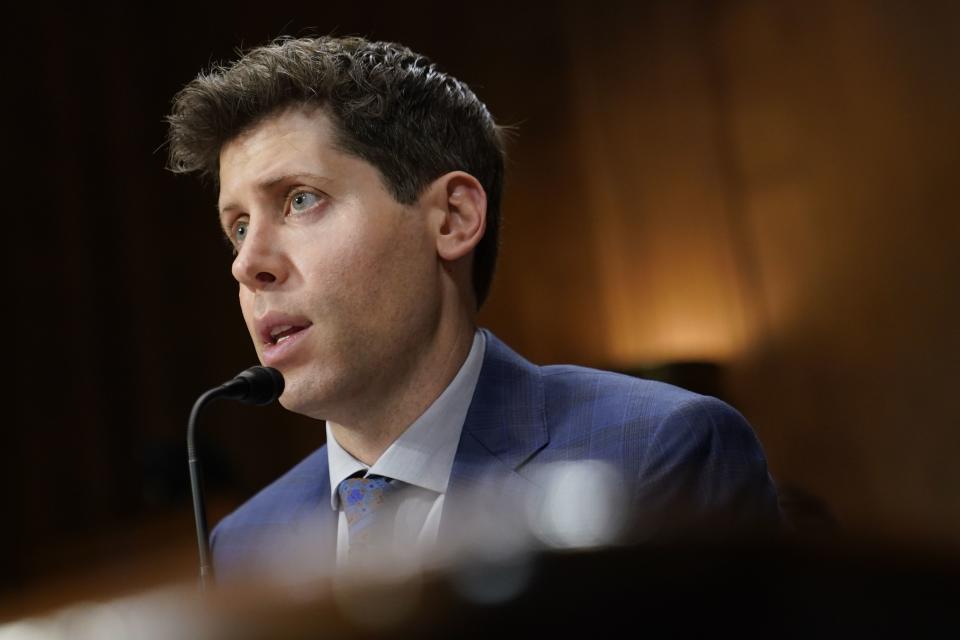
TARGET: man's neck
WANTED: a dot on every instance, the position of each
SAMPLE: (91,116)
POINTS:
(375,427)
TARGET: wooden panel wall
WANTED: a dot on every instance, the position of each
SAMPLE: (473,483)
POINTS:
(772,185)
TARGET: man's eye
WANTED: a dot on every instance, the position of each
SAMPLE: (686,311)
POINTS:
(303,200)
(239,232)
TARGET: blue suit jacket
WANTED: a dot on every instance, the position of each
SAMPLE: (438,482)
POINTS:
(681,456)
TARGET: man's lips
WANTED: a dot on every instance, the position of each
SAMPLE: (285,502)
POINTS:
(278,334)
(282,332)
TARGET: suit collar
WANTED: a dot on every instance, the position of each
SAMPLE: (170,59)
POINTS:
(504,427)
(506,415)
(505,424)
(312,477)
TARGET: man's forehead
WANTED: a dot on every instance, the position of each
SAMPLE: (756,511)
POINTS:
(290,144)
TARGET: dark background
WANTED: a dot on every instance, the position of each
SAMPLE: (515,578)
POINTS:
(765,186)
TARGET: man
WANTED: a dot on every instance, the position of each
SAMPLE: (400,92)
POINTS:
(360,187)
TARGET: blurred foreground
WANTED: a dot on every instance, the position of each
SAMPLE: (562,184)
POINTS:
(759,590)
(562,559)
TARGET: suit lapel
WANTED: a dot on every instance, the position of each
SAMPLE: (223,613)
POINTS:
(313,518)
(504,427)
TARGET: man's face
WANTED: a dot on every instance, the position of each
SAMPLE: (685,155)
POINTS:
(339,283)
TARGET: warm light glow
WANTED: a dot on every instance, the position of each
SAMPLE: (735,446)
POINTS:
(671,277)
(686,338)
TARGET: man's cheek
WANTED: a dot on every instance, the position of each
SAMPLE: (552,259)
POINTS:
(247,314)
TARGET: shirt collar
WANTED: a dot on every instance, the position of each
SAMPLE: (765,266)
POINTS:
(423,454)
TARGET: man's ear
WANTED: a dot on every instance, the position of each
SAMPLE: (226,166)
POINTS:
(458,214)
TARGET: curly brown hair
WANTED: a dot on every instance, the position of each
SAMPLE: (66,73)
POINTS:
(389,106)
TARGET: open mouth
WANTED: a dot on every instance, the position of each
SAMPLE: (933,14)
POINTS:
(279,334)
(284,332)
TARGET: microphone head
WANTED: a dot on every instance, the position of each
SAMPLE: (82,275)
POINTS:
(262,385)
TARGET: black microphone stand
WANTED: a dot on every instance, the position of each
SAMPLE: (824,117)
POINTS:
(196,488)
(256,385)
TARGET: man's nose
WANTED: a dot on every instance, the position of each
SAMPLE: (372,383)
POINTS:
(260,260)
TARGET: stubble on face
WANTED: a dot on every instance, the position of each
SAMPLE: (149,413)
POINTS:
(361,268)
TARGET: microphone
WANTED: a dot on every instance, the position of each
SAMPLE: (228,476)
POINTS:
(256,385)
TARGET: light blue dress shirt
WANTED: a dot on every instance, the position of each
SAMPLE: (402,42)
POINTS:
(420,460)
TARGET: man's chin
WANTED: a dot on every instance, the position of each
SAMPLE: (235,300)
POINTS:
(295,401)
(318,392)
(291,402)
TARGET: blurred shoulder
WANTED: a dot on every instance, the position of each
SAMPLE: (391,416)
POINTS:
(274,518)
(286,492)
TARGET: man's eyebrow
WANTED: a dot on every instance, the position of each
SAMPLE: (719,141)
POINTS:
(270,183)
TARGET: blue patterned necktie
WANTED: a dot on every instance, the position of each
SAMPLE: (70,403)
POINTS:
(363,501)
